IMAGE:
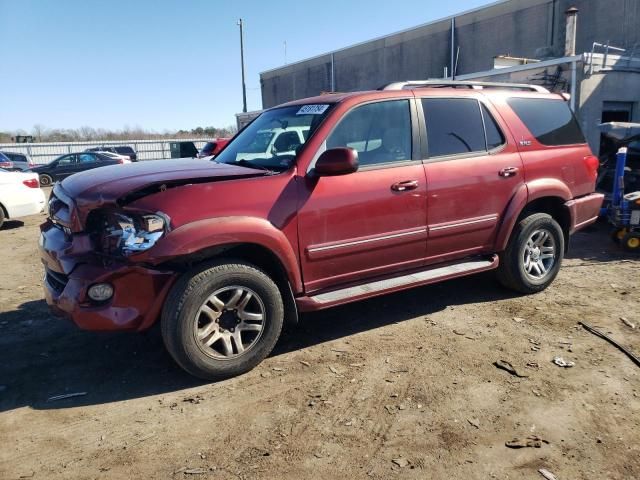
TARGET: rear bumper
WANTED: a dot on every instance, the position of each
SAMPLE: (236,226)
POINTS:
(139,292)
(584,210)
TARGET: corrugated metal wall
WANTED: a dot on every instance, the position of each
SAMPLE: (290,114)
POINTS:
(41,153)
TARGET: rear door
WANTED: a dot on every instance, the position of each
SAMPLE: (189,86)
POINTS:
(473,169)
(88,161)
(373,221)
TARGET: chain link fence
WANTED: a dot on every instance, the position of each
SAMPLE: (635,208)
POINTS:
(42,153)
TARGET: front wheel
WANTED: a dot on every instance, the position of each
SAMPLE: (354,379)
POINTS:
(45,180)
(533,255)
(222,319)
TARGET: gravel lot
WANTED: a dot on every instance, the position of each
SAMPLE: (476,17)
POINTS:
(401,386)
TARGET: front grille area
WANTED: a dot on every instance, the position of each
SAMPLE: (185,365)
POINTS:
(56,280)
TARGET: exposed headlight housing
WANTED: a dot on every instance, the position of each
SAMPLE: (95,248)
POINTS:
(128,233)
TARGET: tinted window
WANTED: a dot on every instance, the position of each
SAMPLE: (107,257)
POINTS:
(379,132)
(66,160)
(454,126)
(550,121)
(87,158)
(495,138)
(124,150)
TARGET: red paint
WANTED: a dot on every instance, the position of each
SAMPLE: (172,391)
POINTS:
(327,232)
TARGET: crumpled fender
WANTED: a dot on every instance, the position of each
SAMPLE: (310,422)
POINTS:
(202,234)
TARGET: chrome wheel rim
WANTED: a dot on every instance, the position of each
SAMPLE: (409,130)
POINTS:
(230,322)
(539,255)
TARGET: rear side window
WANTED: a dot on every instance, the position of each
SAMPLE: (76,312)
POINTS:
(550,121)
(495,138)
(454,126)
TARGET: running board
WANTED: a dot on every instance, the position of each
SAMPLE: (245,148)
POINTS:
(393,284)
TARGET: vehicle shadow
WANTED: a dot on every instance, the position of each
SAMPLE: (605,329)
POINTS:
(595,245)
(42,356)
(12,224)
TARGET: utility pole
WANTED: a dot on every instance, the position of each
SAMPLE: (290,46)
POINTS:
(244,87)
(285,52)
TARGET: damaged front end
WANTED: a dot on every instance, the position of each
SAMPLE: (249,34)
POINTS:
(90,275)
(123,233)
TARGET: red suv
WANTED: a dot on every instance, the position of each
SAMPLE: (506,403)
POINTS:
(384,190)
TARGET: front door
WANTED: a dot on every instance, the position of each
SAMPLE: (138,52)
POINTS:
(67,165)
(373,221)
(473,170)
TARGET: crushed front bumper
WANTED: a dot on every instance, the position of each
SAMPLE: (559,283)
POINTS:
(71,268)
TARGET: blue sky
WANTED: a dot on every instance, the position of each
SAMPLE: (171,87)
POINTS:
(170,64)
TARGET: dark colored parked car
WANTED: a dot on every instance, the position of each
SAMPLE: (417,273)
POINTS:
(66,165)
(213,147)
(20,161)
(391,189)
(120,150)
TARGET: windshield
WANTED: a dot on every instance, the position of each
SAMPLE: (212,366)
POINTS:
(273,140)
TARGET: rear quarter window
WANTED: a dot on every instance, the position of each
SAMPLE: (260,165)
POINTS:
(550,121)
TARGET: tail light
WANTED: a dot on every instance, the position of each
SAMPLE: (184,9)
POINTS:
(6,164)
(592,163)
(32,183)
(120,161)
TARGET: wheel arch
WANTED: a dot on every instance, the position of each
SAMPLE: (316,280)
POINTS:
(253,253)
(538,197)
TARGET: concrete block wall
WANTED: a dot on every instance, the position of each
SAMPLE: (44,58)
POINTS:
(521,28)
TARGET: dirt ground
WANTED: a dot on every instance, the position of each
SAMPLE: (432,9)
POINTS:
(401,386)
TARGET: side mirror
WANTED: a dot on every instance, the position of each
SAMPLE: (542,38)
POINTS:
(337,161)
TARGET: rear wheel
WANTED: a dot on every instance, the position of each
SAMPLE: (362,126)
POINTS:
(533,256)
(2,215)
(631,242)
(45,180)
(222,319)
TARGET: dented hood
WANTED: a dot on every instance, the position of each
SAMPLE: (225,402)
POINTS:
(110,184)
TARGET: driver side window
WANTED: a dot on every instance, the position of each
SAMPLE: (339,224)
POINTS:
(380,132)
(67,160)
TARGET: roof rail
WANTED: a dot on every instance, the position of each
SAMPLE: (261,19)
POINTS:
(461,84)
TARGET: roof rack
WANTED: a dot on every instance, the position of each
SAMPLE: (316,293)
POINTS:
(461,84)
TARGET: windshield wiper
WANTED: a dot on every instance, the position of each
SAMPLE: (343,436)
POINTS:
(247,163)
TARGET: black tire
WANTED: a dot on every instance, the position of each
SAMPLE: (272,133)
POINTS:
(180,317)
(2,215)
(45,180)
(631,242)
(512,272)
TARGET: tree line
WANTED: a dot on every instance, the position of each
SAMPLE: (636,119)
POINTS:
(41,133)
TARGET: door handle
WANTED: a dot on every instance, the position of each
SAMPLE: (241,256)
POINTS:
(508,171)
(404,186)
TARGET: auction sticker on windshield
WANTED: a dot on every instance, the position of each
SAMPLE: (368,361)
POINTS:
(312,109)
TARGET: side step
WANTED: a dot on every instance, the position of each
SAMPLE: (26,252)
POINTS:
(393,284)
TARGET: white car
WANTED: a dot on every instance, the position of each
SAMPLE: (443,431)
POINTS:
(20,195)
(124,158)
(274,142)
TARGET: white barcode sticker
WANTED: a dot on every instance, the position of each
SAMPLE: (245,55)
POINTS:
(312,109)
